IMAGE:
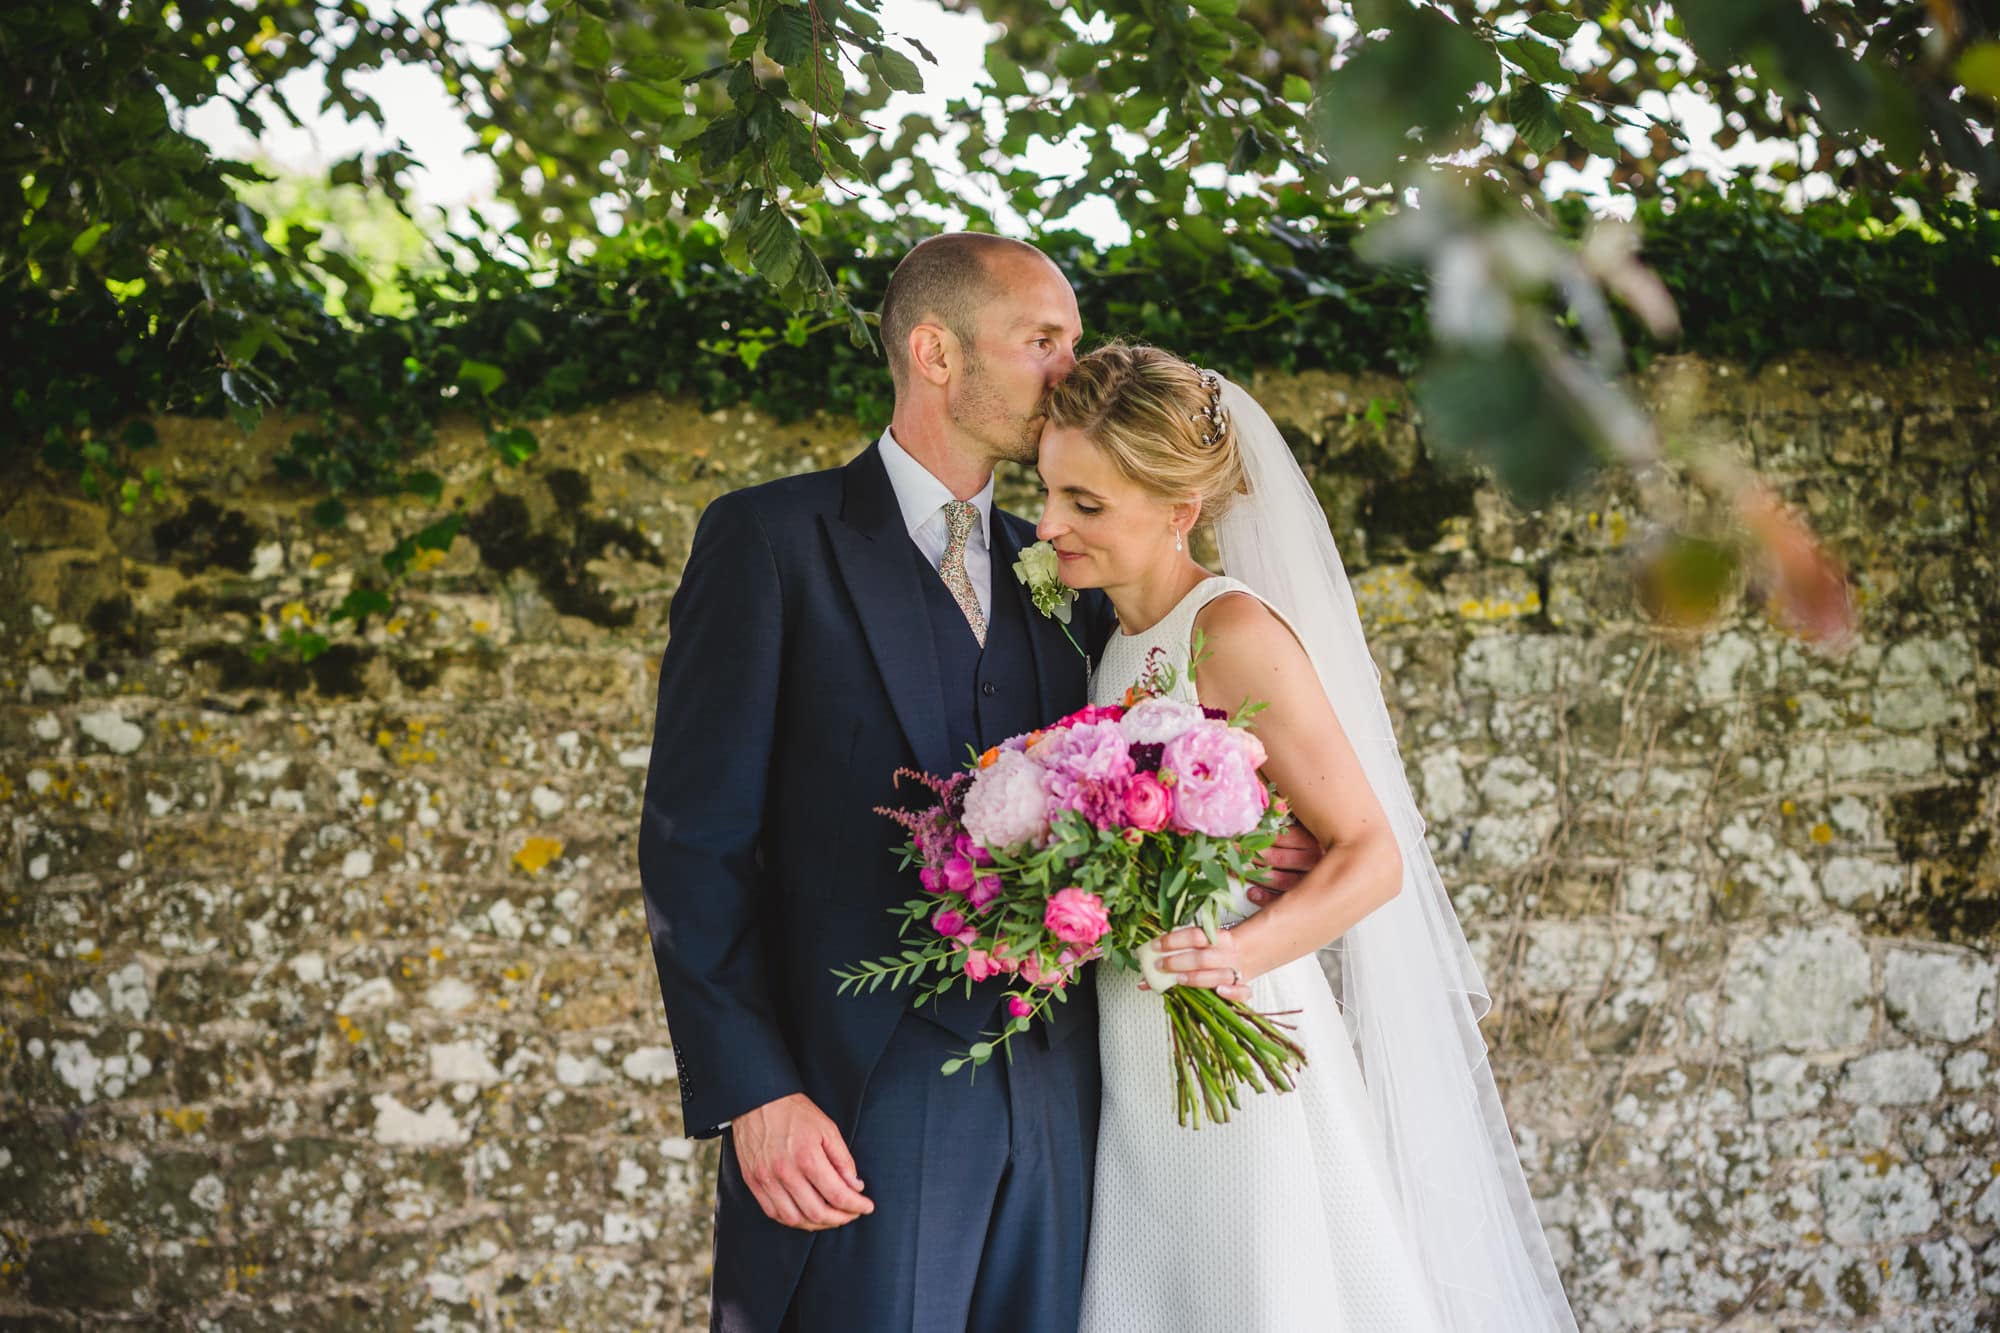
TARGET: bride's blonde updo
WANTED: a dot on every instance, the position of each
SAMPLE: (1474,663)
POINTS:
(1159,419)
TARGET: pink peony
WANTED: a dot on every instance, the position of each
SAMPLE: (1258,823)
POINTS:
(1156,721)
(1006,805)
(1076,917)
(1087,769)
(983,891)
(1089,750)
(1148,805)
(1216,790)
(948,921)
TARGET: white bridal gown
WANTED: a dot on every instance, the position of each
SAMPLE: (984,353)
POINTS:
(1281,1220)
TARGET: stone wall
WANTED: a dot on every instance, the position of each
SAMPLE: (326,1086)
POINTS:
(327,1001)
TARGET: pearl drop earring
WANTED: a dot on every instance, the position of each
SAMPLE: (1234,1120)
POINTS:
(1177,539)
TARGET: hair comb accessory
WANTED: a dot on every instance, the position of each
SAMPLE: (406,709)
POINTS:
(1215,415)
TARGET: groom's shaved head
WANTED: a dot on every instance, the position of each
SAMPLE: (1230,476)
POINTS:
(943,281)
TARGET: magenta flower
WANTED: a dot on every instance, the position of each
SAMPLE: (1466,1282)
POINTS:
(983,891)
(948,921)
(1089,714)
(1076,917)
(979,965)
(932,879)
(958,874)
(1018,1006)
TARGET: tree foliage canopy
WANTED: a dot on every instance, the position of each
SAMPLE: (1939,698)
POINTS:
(1239,138)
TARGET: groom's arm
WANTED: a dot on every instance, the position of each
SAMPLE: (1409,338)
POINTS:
(713,738)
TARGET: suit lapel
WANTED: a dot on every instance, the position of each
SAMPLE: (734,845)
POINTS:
(872,549)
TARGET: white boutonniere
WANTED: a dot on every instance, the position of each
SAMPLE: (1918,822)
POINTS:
(1036,569)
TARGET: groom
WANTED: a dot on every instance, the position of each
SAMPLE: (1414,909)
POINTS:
(830,629)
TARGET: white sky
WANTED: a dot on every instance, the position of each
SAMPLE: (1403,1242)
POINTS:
(452,175)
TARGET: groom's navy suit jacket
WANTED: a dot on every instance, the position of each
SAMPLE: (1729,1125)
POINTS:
(800,674)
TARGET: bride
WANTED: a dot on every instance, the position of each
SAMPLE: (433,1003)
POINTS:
(1384,1193)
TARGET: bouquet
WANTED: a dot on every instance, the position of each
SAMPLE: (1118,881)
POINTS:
(1088,839)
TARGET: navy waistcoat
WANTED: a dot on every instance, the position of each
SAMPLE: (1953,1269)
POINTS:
(989,695)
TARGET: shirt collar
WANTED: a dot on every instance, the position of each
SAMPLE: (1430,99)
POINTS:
(921,496)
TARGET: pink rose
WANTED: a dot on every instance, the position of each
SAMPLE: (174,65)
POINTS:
(983,891)
(1216,789)
(932,879)
(1018,1006)
(948,921)
(958,874)
(1076,917)
(1148,805)
(979,965)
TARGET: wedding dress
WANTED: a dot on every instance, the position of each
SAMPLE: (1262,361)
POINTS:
(1283,1218)
(1385,1192)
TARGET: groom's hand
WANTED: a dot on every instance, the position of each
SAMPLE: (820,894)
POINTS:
(798,1166)
(1291,856)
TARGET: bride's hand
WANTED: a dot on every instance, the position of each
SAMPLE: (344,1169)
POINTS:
(1195,962)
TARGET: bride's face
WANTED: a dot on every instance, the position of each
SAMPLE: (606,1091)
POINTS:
(1108,531)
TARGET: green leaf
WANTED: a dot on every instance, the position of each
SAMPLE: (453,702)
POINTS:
(1595,135)
(1530,111)
(899,71)
(775,247)
(1539,60)
(515,444)
(744,45)
(1418,78)
(592,47)
(788,36)
(1076,59)
(87,239)
(427,484)
(361,603)
(1249,149)
(1498,408)
(1979,70)
(1562,27)
(481,375)
(1296,89)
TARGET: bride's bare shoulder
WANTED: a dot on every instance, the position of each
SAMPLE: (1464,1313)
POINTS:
(1241,634)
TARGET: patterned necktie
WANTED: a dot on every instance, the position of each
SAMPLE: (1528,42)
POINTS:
(960,516)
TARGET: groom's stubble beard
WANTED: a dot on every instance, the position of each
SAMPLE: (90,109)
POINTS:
(982,412)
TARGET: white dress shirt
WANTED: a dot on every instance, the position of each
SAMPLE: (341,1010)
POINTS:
(922,498)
